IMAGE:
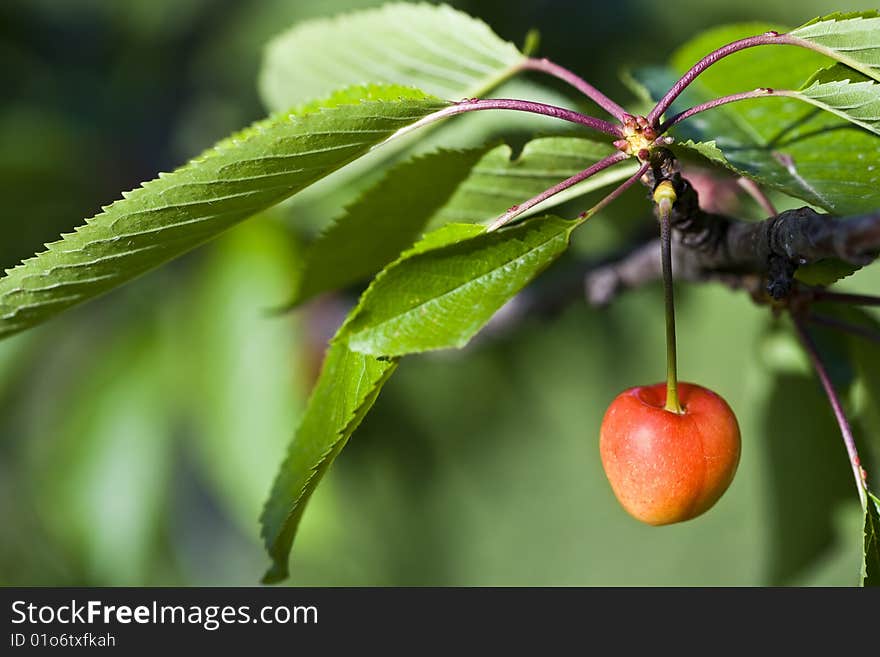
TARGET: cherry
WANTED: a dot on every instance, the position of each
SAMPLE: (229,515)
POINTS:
(663,466)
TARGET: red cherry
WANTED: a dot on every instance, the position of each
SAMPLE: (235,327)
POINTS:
(666,467)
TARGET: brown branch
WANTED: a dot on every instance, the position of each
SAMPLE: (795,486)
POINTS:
(642,265)
(740,253)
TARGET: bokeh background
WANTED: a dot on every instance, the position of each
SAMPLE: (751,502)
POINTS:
(139,434)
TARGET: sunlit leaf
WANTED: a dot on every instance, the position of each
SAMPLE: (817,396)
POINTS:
(347,387)
(707,149)
(458,276)
(176,212)
(850,38)
(440,298)
(434,48)
(845,93)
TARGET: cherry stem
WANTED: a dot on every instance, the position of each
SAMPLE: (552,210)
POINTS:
(769,38)
(754,190)
(718,102)
(841,297)
(517,210)
(588,90)
(845,429)
(664,196)
(476,105)
(854,329)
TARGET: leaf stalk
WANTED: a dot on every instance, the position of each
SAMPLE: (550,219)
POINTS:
(768,38)
(574,80)
(511,104)
(520,208)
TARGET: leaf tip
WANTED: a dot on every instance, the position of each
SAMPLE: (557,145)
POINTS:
(277,572)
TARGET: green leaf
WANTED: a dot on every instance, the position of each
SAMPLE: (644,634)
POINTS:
(435,48)
(850,38)
(389,217)
(176,212)
(843,92)
(782,143)
(499,181)
(825,272)
(346,390)
(439,298)
(871,563)
(383,222)
(707,149)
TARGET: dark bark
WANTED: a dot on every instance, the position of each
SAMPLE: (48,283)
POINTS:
(742,253)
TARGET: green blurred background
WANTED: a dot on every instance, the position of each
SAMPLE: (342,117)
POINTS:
(139,434)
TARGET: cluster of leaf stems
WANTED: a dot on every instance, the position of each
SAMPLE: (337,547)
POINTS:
(637,137)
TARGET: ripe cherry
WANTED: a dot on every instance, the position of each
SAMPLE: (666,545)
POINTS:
(667,467)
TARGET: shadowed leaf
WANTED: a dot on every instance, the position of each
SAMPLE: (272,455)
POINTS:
(499,181)
(782,143)
(384,221)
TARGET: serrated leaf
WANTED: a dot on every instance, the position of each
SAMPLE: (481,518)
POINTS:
(850,38)
(871,563)
(346,389)
(435,48)
(348,386)
(782,143)
(176,212)
(498,181)
(825,272)
(405,45)
(440,298)
(707,149)
(389,216)
(855,100)
(387,219)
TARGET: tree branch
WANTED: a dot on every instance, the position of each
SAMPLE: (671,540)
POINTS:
(741,253)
